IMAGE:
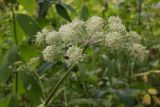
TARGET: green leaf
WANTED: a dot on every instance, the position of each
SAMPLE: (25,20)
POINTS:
(28,51)
(27,24)
(9,101)
(126,96)
(29,5)
(44,5)
(69,7)
(5,101)
(83,101)
(84,15)
(32,87)
(13,101)
(6,67)
(62,12)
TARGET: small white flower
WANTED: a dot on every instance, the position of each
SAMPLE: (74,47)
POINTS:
(49,53)
(74,55)
(40,36)
(77,24)
(94,24)
(114,19)
(117,27)
(70,33)
(134,37)
(97,37)
(114,40)
(53,38)
(138,51)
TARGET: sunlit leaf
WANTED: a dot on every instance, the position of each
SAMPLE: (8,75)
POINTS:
(152,91)
(147,99)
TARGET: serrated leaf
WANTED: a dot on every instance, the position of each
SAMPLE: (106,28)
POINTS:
(62,12)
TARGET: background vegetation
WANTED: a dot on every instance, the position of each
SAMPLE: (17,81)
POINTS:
(101,81)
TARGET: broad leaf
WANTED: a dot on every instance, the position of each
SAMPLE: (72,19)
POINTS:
(62,11)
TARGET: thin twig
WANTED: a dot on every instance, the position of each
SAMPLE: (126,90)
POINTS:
(40,82)
(16,82)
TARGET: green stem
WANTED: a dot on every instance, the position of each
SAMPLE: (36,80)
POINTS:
(65,99)
(54,89)
(16,82)
(40,82)
(14,24)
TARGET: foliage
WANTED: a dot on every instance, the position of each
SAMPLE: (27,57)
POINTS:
(103,78)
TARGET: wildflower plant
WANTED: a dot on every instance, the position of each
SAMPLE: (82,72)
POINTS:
(69,43)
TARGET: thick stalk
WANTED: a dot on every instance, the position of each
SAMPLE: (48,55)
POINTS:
(54,89)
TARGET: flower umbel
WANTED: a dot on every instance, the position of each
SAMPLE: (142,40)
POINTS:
(115,25)
(74,55)
(53,38)
(40,36)
(114,40)
(49,53)
(70,33)
(94,24)
(134,37)
(138,51)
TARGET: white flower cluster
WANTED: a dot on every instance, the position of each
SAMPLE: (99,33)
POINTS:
(79,32)
(114,40)
(138,51)
(40,36)
(49,53)
(134,37)
(94,24)
(115,37)
(118,38)
(53,38)
(74,55)
(115,25)
(70,32)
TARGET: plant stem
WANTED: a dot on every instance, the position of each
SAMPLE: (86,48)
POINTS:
(54,89)
(14,23)
(65,99)
(40,82)
(16,82)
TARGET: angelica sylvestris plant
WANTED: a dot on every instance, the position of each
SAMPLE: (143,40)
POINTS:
(70,42)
